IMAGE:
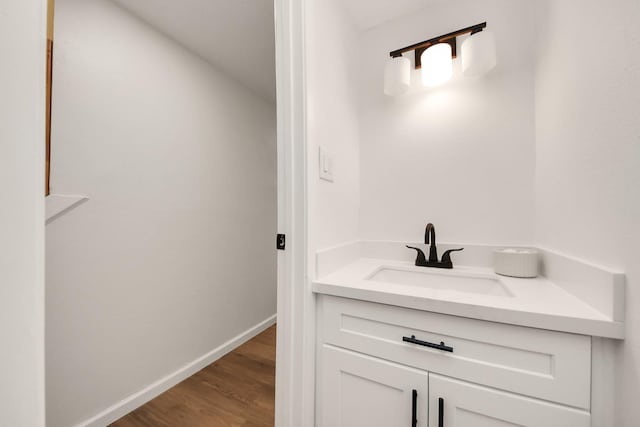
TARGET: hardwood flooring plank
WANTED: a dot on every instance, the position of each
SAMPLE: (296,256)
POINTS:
(237,390)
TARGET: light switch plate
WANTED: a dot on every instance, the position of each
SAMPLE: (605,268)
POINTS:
(325,165)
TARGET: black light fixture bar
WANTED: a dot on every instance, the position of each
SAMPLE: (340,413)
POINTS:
(445,38)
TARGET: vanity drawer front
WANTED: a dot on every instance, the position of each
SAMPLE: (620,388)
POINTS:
(548,365)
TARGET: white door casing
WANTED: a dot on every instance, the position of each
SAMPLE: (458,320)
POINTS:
(295,361)
(22,146)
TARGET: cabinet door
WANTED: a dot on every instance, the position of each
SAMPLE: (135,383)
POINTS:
(360,391)
(455,403)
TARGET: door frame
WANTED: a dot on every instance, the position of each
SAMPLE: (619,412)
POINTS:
(295,354)
(22,232)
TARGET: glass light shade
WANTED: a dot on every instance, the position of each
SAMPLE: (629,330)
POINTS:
(397,76)
(437,64)
(478,54)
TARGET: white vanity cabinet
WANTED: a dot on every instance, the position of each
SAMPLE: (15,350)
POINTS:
(465,372)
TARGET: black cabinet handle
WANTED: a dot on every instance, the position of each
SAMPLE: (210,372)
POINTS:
(414,409)
(440,346)
(440,412)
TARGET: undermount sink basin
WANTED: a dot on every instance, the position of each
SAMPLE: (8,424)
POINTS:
(446,281)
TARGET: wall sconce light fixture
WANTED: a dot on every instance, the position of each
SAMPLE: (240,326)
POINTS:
(397,76)
(478,53)
(437,64)
(435,58)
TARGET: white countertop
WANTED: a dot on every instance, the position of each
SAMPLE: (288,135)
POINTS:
(536,302)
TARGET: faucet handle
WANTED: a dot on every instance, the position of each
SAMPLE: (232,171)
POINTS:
(446,257)
(421,259)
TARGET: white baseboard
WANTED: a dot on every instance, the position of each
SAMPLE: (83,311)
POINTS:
(141,397)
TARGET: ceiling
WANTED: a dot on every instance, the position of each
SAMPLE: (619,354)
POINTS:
(236,36)
(371,13)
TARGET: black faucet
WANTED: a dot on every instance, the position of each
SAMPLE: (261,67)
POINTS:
(430,239)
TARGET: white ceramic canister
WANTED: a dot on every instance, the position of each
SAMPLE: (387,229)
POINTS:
(516,262)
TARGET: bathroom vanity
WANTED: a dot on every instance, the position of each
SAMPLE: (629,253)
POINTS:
(399,345)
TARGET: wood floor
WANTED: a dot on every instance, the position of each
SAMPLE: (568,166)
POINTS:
(236,390)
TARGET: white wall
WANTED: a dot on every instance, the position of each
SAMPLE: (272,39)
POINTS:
(588,152)
(174,252)
(461,156)
(332,122)
(22,101)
